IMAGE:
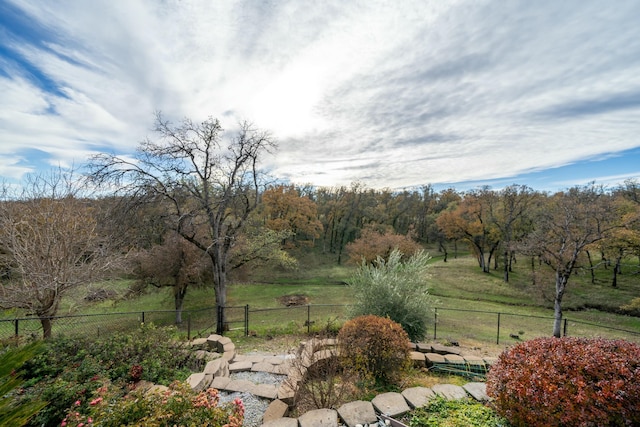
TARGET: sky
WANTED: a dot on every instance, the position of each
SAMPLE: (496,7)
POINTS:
(391,94)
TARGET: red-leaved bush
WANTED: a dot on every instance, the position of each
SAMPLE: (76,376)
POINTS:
(568,382)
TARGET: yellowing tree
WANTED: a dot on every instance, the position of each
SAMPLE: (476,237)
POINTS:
(285,210)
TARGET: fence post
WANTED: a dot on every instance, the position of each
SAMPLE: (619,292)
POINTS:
(565,328)
(143,317)
(17,331)
(435,325)
(246,320)
(189,327)
(498,337)
(308,319)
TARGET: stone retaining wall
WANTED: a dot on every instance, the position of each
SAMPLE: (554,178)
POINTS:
(223,360)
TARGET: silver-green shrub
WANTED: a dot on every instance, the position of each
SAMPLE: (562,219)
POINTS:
(396,289)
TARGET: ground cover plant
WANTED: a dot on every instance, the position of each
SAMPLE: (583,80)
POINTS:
(69,370)
(568,381)
(441,412)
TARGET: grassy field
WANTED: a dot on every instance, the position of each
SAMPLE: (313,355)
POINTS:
(462,291)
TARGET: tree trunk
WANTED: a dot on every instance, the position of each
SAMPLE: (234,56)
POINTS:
(507,266)
(443,249)
(591,268)
(220,285)
(45,321)
(561,284)
(481,261)
(617,269)
(179,295)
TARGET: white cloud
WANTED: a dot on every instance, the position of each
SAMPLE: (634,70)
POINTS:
(392,94)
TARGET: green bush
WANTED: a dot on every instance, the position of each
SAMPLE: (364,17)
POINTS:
(179,405)
(441,412)
(396,289)
(374,347)
(70,370)
(568,382)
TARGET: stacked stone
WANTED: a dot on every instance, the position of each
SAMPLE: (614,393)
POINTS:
(428,355)
(225,361)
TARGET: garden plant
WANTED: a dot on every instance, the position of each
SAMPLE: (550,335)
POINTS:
(568,382)
(376,348)
(69,371)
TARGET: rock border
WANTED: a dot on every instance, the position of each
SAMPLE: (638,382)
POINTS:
(224,360)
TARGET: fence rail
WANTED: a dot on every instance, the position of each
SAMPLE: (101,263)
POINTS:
(448,323)
(507,328)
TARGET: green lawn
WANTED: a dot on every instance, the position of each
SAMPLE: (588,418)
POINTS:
(457,285)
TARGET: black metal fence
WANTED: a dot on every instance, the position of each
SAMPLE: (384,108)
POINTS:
(507,328)
(448,323)
(105,324)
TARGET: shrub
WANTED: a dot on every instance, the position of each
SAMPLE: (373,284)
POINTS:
(318,377)
(374,347)
(178,405)
(396,289)
(568,382)
(71,369)
(441,412)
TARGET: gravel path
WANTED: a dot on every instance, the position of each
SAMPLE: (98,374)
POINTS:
(254,407)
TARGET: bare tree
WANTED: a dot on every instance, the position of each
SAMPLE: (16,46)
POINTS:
(209,186)
(566,226)
(50,245)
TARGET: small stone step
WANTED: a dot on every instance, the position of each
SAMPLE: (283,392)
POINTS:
(418,397)
(434,359)
(282,422)
(267,391)
(200,381)
(319,418)
(220,383)
(454,359)
(263,367)
(449,391)
(276,409)
(243,386)
(356,413)
(240,366)
(217,368)
(442,349)
(418,359)
(477,390)
(392,404)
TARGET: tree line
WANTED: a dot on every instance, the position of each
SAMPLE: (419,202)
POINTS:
(193,205)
